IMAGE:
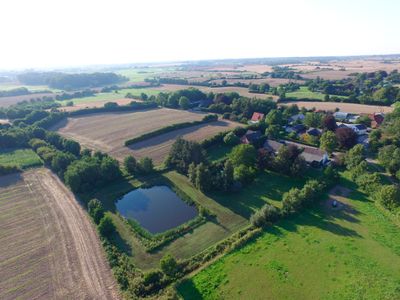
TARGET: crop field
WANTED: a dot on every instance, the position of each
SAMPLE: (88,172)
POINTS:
(108,131)
(241,91)
(23,158)
(8,101)
(49,247)
(345,107)
(158,147)
(325,253)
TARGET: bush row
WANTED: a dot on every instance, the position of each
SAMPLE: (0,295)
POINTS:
(206,119)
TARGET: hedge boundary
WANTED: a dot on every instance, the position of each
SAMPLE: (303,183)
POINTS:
(169,128)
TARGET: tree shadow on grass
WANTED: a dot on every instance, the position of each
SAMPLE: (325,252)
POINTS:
(317,219)
(121,244)
(268,185)
(188,290)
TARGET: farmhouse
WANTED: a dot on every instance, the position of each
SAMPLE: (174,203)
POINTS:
(341,116)
(298,129)
(360,129)
(314,132)
(256,118)
(272,146)
(251,137)
(315,157)
(376,119)
(295,118)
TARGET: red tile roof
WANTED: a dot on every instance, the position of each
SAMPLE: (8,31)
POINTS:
(257,117)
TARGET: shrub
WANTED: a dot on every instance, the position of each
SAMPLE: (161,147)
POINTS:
(266,215)
(231,139)
(169,265)
(389,196)
(96,210)
(146,165)
(106,227)
(244,174)
(131,165)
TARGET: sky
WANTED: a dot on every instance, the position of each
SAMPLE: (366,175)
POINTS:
(59,33)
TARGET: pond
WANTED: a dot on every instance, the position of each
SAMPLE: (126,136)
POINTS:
(156,209)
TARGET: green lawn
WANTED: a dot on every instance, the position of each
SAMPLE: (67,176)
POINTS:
(111,96)
(352,253)
(219,152)
(140,74)
(23,158)
(32,88)
(305,93)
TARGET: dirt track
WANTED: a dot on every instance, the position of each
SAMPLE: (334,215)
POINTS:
(49,248)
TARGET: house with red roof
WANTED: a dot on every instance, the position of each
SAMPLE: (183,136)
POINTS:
(256,118)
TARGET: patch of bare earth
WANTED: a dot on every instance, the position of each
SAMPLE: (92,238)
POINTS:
(49,248)
(345,107)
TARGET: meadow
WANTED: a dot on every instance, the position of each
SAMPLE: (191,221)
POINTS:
(323,253)
(305,93)
(23,158)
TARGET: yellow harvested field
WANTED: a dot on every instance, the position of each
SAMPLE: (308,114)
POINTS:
(345,107)
(49,249)
(108,131)
(158,147)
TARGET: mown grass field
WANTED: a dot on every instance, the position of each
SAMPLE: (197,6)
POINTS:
(23,158)
(305,93)
(352,253)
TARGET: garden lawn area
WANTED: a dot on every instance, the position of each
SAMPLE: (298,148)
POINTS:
(219,152)
(305,93)
(268,187)
(23,158)
(321,253)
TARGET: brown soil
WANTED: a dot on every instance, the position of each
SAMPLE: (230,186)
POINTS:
(49,248)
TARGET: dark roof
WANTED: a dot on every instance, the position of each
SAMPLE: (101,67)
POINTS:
(309,153)
(272,146)
(299,128)
(252,135)
(314,132)
(361,127)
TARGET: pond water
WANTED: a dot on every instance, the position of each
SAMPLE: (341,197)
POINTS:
(156,209)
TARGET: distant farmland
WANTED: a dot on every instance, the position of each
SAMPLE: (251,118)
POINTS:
(49,248)
(345,107)
(240,90)
(108,131)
